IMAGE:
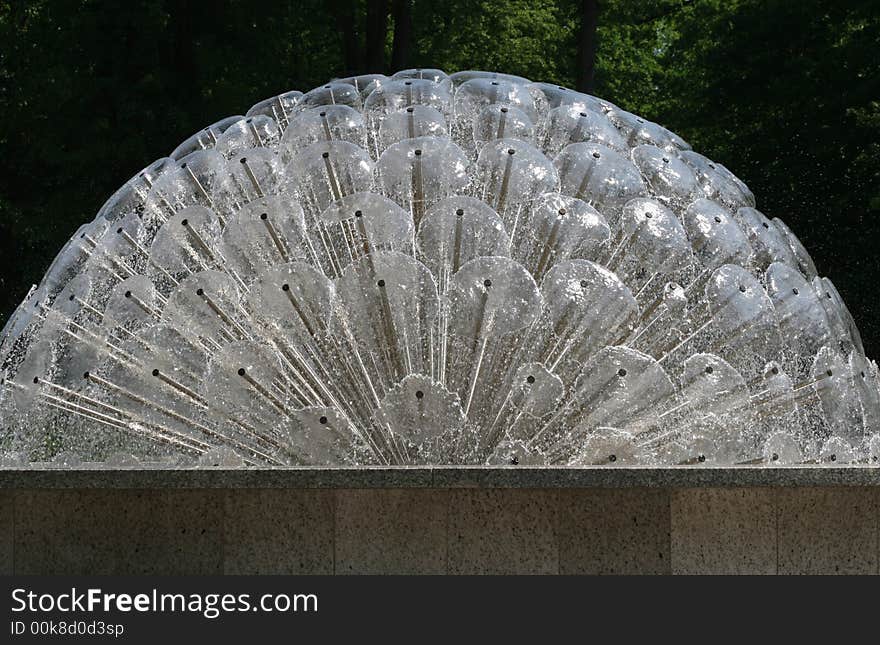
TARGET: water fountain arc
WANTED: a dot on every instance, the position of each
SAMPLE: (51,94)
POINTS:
(432,269)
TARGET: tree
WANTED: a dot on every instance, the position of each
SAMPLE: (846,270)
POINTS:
(401,51)
(377,28)
(586,56)
(345,21)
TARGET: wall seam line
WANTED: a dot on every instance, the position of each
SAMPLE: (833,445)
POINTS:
(776,520)
(334,507)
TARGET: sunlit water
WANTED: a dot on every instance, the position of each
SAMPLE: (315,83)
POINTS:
(434,269)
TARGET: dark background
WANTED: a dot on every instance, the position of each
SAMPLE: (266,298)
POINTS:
(786,93)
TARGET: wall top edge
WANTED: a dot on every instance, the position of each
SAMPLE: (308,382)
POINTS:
(444,477)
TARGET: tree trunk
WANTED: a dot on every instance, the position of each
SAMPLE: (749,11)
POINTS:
(345,22)
(401,50)
(377,29)
(586,61)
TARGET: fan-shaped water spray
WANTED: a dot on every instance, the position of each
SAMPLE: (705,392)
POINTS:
(433,269)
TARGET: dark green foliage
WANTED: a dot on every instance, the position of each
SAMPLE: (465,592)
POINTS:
(786,94)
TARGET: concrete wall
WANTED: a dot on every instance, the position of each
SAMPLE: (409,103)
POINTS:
(439,530)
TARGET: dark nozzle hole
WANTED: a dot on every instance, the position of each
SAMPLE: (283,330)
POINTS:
(323,421)
(530,379)
(487,283)
(709,369)
(285,287)
(621,372)
(419,394)
(241,371)
(380,283)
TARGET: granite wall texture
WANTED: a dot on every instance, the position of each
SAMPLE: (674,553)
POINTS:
(760,530)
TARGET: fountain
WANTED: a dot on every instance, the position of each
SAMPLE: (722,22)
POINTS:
(431,269)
